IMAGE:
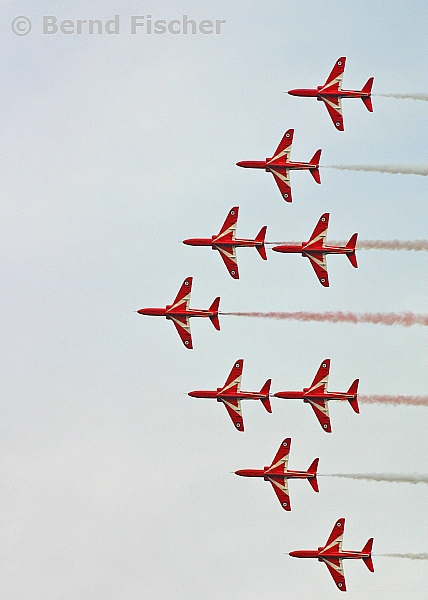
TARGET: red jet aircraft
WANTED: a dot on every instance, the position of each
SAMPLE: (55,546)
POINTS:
(278,474)
(179,312)
(226,242)
(316,249)
(331,93)
(280,165)
(318,396)
(230,394)
(332,554)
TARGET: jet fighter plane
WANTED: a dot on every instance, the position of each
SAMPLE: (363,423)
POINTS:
(179,312)
(230,394)
(331,93)
(316,249)
(318,396)
(332,554)
(278,474)
(226,242)
(280,165)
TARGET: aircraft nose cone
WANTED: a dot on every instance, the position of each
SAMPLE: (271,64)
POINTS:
(141,311)
(240,472)
(295,554)
(240,163)
(292,92)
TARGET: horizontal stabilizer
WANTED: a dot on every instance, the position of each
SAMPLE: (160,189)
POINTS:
(354,401)
(260,239)
(368,550)
(313,471)
(351,246)
(367,89)
(265,390)
(315,160)
(214,318)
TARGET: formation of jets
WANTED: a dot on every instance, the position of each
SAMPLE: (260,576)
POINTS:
(317,395)
(316,250)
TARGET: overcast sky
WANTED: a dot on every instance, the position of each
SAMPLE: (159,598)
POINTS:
(116,485)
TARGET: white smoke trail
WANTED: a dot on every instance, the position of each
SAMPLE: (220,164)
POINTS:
(420,556)
(392,169)
(395,400)
(405,319)
(391,477)
(417,245)
(423,97)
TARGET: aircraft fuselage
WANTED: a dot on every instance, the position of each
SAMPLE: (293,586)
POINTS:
(320,555)
(167,313)
(221,243)
(219,396)
(277,165)
(300,249)
(315,93)
(266,474)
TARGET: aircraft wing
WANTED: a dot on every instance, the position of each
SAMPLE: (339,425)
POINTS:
(319,234)
(280,487)
(320,408)
(282,178)
(182,300)
(182,325)
(228,254)
(335,538)
(228,230)
(334,106)
(335,566)
(233,382)
(319,264)
(334,80)
(281,457)
(320,382)
(284,148)
(233,407)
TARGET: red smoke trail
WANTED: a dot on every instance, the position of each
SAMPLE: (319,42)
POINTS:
(406,319)
(395,400)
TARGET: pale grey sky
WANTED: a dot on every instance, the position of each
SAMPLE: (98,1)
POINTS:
(115,484)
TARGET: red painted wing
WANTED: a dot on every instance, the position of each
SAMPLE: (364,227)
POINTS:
(182,325)
(281,457)
(319,234)
(335,566)
(336,536)
(228,230)
(182,299)
(233,382)
(282,153)
(280,487)
(320,408)
(334,80)
(228,254)
(319,264)
(233,407)
(320,382)
(282,178)
(333,105)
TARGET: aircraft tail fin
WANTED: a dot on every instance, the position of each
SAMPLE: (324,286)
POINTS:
(313,471)
(260,239)
(214,318)
(315,160)
(367,89)
(354,401)
(265,390)
(351,246)
(368,550)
